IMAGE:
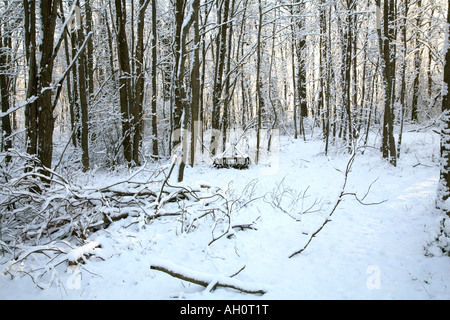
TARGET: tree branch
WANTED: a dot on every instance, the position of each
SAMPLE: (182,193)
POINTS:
(338,201)
(204,279)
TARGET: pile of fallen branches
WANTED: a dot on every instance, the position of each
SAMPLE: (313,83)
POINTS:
(46,216)
(39,203)
(41,262)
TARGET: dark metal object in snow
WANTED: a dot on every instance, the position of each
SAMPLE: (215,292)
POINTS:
(232,162)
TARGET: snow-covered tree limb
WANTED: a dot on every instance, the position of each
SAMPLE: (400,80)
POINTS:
(206,280)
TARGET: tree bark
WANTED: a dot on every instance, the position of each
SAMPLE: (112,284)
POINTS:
(195,83)
(417,64)
(69,88)
(5,97)
(139,84)
(178,69)
(403,80)
(83,91)
(75,96)
(443,192)
(182,107)
(125,87)
(388,143)
(154,74)
(221,42)
(32,86)
(89,52)
(347,65)
(48,14)
(259,97)
(300,42)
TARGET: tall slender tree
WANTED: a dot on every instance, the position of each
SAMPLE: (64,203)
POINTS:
(300,47)
(347,66)
(182,106)
(125,81)
(386,39)
(83,95)
(31,120)
(154,75)
(417,64)
(139,83)
(259,93)
(195,82)
(40,60)
(221,49)
(443,193)
(5,81)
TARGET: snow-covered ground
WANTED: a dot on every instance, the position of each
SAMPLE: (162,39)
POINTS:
(377,251)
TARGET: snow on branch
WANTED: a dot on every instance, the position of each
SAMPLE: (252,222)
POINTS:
(206,280)
(342,194)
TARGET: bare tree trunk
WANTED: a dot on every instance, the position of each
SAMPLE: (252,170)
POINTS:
(4,97)
(75,96)
(69,83)
(325,71)
(219,67)
(125,88)
(417,64)
(259,96)
(388,143)
(195,82)
(139,85)
(154,74)
(294,74)
(178,70)
(301,71)
(443,192)
(83,103)
(48,14)
(294,83)
(403,83)
(182,107)
(392,66)
(32,86)
(347,65)
(322,62)
(226,94)
(90,52)
(110,49)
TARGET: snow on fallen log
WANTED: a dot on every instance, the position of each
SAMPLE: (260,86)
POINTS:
(77,254)
(206,280)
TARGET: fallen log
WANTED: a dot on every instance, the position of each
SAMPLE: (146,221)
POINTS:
(206,280)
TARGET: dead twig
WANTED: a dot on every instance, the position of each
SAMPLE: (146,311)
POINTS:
(338,201)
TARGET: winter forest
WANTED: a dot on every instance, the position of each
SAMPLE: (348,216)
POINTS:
(224,149)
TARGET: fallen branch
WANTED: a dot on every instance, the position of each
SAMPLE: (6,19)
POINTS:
(338,201)
(165,181)
(244,226)
(56,253)
(206,280)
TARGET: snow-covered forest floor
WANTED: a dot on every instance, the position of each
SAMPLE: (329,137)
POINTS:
(250,222)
